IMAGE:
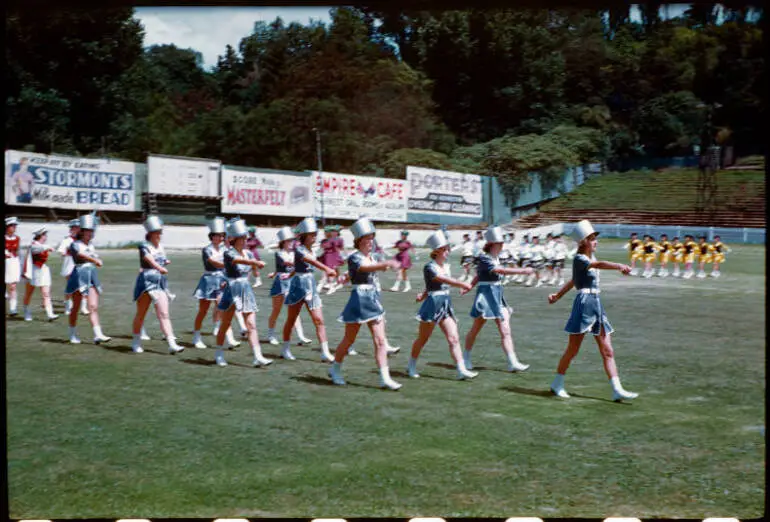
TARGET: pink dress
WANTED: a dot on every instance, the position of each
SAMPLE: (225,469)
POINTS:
(332,248)
(403,256)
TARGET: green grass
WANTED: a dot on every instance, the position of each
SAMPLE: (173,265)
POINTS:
(665,191)
(97,431)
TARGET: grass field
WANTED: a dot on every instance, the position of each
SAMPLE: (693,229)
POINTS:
(97,431)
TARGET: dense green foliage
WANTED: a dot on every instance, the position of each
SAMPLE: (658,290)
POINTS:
(499,92)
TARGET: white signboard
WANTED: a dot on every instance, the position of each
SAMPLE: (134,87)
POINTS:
(442,192)
(40,180)
(183,176)
(248,192)
(348,197)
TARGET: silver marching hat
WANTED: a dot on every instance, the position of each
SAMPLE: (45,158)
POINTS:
(40,231)
(284,233)
(11,221)
(153,224)
(217,225)
(437,240)
(88,222)
(237,228)
(494,235)
(74,223)
(307,226)
(362,227)
(582,230)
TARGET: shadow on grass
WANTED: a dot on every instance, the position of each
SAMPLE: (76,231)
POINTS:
(579,396)
(14,318)
(55,340)
(117,348)
(448,366)
(405,375)
(549,394)
(200,361)
(320,381)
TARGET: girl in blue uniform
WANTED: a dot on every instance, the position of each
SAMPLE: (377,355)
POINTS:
(490,302)
(239,294)
(83,279)
(302,290)
(587,311)
(212,283)
(437,308)
(152,286)
(364,305)
(284,262)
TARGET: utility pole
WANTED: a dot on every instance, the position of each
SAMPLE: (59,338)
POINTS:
(709,164)
(320,173)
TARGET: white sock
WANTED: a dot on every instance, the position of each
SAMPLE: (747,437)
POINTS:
(73,331)
(270,333)
(67,306)
(256,350)
(558,382)
(98,331)
(49,309)
(412,365)
(385,374)
(229,337)
(337,367)
(215,331)
(241,322)
(84,304)
(512,359)
(14,304)
(615,383)
(137,340)
(466,357)
(298,328)
(26,309)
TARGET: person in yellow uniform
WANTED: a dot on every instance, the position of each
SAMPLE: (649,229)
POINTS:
(650,252)
(665,255)
(635,249)
(720,249)
(705,255)
(690,251)
(677,254)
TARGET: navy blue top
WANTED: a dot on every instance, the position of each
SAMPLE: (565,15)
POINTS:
(233,270)
(207,253)
(300,265)
(484,269)
(146,248)
(355,260)
(430,272)
(583,276)
(280,265)
(78,247)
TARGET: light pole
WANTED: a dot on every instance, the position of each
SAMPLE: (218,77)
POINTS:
(320,172)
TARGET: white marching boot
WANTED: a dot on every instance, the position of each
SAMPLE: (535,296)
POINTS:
(618,393)
(198,341)
(335,372)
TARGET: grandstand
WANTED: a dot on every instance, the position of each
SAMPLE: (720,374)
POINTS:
(659,198)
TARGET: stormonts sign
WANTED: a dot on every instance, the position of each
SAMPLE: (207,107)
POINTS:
(40,180)
(442,192)
(246,191)
(346,196)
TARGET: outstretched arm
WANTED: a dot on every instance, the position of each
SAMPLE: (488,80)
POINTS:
(563,290)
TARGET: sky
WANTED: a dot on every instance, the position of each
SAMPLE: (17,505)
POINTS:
(209,29)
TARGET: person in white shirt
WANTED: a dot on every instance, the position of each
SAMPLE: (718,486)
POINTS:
(37,273)
(524,256)
(467,258)
(68,264)
(559,255)
(536,262)
(548,258)
(478,244)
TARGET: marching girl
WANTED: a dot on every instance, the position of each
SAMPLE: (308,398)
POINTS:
(302,290)
(720,249)
(587,312)
(38,274)
(239,294)
(254,244)
(364,305)
(67,264)
(705,255)
(650,249)
(152,287)
(404,247)
(12,265)
(284,262)
(677,255)
(490,303)
(332,246)
(665,255)
(437,308)
(690,248)
(211,284)
(83,282)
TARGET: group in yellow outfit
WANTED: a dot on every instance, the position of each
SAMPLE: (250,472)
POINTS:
(689,252)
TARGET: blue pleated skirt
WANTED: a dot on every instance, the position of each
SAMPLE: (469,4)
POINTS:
(490,303)
(587,315)
(210,286)
(302,288)
(436,308)
(364,305)
(239,292)
(151,282)
(280,287)
(81,279)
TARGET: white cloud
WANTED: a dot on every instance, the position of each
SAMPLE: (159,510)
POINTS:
(209,29)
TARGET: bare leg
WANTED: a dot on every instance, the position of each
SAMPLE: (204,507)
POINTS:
(504,326)
(423,334)
(351,332)
(608,357)
(573,346)
(142,305)
(93,309)
(470,340)
(377,328)
(12,297)
(227,318)
(277,305)
(47,303)
(203,310)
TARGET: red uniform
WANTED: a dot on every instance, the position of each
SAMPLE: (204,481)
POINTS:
(12,246)
(403,256)
(332,248)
